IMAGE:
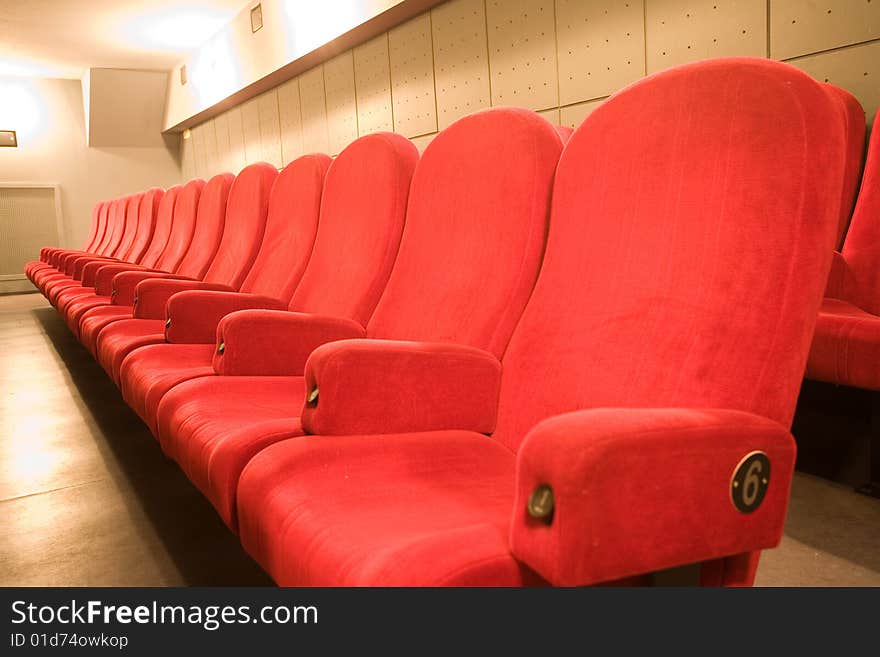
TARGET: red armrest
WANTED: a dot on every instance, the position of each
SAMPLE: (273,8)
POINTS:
(193,316)
(389,386)
(93,268)
(107,272)
(275,343)
(153,295)
(80,263)
(608,493)
(124,287)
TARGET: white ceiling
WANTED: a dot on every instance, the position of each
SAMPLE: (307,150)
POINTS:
(63,38)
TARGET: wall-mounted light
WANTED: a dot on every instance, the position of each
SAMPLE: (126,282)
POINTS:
(187,133)
(8,139)
(257,17)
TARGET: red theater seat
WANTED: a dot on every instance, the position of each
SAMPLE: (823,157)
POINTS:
(476,223)
(242,234)
(663,346)
(846,347)
(96,231)
(147,373)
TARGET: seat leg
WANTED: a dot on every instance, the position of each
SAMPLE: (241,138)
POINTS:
(872,488)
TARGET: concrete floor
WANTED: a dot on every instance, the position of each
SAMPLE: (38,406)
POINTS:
(88,499)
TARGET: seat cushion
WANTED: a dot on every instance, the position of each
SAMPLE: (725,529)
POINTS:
(846,346)
(120,338)
(94,320)
(429,509)
(212,427)
(148,373)
(75,308)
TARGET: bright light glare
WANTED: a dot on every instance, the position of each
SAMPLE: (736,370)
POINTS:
(312,24)
(22,109)
(175,28)
(214,72)
(25,69)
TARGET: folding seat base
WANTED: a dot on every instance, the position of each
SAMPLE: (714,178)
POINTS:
(846,346)
(93,321)
(430,509)
(120,338)
(213,426)
(148,373)
(74,310)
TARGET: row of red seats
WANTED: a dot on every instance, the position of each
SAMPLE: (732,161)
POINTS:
(510,361)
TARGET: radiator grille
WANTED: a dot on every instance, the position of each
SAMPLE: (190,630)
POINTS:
(27,223)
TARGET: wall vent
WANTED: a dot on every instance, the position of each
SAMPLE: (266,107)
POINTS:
(30,218)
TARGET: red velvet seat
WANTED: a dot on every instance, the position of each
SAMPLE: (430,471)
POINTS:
(242,234)
(96,231)
(476,222)
(361,221)
(694,214)
(147,373)
(133,249)
(846,347)
(62,259)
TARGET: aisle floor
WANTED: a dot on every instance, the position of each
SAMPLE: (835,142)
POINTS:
(88,499)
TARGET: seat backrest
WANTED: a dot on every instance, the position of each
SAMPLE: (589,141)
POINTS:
(854,120)
(164,221)
(209,222)
(475,230)
(291,224)
(93,237)
(148,206)
(694,216)
(861,249)
(110,225)
(363,211)
(186,207)
(119,225)
(132,211)
(246,209)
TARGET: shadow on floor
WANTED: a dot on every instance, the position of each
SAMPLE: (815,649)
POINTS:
(204,550)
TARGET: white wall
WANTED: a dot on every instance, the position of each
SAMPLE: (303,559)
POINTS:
(48,115)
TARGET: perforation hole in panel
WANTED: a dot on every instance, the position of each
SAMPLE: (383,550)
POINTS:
(211,155)
(290,121)
(856,69)
(601,46)
(800,28)
(373,84)
(236,140)
(412,77)
(680,31)
(461,62)
(574,115)
(221,129)
(341,105)
(314,111)
(250,124)
(270,128)
(522,53)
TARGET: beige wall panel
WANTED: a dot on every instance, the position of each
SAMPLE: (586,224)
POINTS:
(199,153)
(856,69)
(224,154)
(270,128)
(236,140)
(212,157)
(522,53)
(290,121)
(314,111)
(461,62)
(412,77)
(187,159)
(373,84)
(423,141)
(800,27)
(601,47)
(250,124)
(551,115)
(681,31)
(574,115)
(342,126)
